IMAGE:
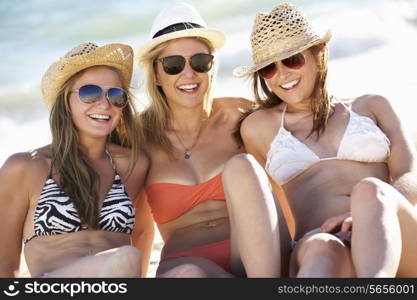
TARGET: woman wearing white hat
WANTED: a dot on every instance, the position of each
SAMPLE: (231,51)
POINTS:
(72,202)
(333,161)
(193,156)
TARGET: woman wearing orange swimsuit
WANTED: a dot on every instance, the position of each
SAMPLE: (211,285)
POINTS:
(328,158)
(214,210)
(72,202)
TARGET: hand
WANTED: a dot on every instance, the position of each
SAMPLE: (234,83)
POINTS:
(341,223)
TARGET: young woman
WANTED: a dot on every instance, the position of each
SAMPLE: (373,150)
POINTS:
(72,202)
(214,209)
(331,162)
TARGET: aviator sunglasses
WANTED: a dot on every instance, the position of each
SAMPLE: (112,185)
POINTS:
(200,62)
(293,62)
(91,93)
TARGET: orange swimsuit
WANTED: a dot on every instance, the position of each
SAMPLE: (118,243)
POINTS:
(168,201)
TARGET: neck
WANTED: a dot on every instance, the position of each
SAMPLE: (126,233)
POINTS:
(187,119)
(93,148)
(303,106)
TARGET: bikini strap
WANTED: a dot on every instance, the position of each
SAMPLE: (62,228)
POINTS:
(111,159)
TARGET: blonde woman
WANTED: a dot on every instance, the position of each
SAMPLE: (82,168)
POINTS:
(213,207)
(331,162)
(72,202)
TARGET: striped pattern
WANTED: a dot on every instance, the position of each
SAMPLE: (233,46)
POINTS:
(56,214)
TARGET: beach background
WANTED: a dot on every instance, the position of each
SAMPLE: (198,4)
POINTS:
(373,50)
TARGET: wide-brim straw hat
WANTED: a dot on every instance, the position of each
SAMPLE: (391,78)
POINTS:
(277,35)
(179,21)
(83,56)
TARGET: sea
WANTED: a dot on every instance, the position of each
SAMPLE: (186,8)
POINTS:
(373,50)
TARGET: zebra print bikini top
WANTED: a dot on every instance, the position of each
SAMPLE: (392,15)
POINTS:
(56,214)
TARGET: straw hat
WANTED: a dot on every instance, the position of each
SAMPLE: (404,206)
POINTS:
(83,56)
(283,32)
(177,21)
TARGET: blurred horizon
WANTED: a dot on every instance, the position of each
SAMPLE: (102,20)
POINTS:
(372,49)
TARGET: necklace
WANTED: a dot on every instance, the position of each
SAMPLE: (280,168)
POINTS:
(187,150)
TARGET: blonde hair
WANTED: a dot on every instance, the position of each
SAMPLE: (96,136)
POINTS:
(77,177)
(155,120)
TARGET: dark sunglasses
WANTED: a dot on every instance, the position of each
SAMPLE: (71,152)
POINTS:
(293,62)
(200,62)
(91,93)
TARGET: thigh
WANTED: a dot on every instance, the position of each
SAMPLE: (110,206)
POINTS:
(322,245)
(90,266)
(190,267)
(236,264)
(407,216)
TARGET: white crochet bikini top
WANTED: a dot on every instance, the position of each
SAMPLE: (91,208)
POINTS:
(362,141)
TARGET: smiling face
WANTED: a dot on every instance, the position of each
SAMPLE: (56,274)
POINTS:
(187,88)
(295,86)
(100,118)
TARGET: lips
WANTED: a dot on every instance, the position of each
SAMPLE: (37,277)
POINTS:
(100,117)
(188,88)
(290,85)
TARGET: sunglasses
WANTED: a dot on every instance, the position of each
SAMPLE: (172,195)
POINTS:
(200,62)
(293,62)
(91,93)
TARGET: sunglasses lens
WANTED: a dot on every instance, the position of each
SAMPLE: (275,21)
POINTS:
(89,93)
(268,71)
(294,62)
(117,97)
(173,64)
(201,62)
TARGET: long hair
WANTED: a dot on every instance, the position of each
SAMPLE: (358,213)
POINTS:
(77,177)
(155,120)
(320,104)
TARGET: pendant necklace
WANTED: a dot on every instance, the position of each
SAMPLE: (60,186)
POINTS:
(187,150)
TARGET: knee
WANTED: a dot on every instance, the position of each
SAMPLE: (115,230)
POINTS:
(239,163)
(369,192)
(183,271)
(131,254)
(322,245)
(241,166)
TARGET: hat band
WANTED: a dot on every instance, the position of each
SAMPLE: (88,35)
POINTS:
(176,27)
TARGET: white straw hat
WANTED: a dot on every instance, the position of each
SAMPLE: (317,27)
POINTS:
(277,35)
(83,56)
(177,21)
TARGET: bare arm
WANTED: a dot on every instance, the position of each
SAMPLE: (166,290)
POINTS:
(14,205)
(402,160)
(144,231)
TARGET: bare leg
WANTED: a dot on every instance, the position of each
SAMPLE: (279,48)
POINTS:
(321,255)
(117,262)
(253,216)
(190,267)
(384,226)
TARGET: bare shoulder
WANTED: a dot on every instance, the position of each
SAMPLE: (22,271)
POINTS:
(232,106)
(28,162)
(24,169)
(259,119)
(122,157)
(374,106)
(232,103)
